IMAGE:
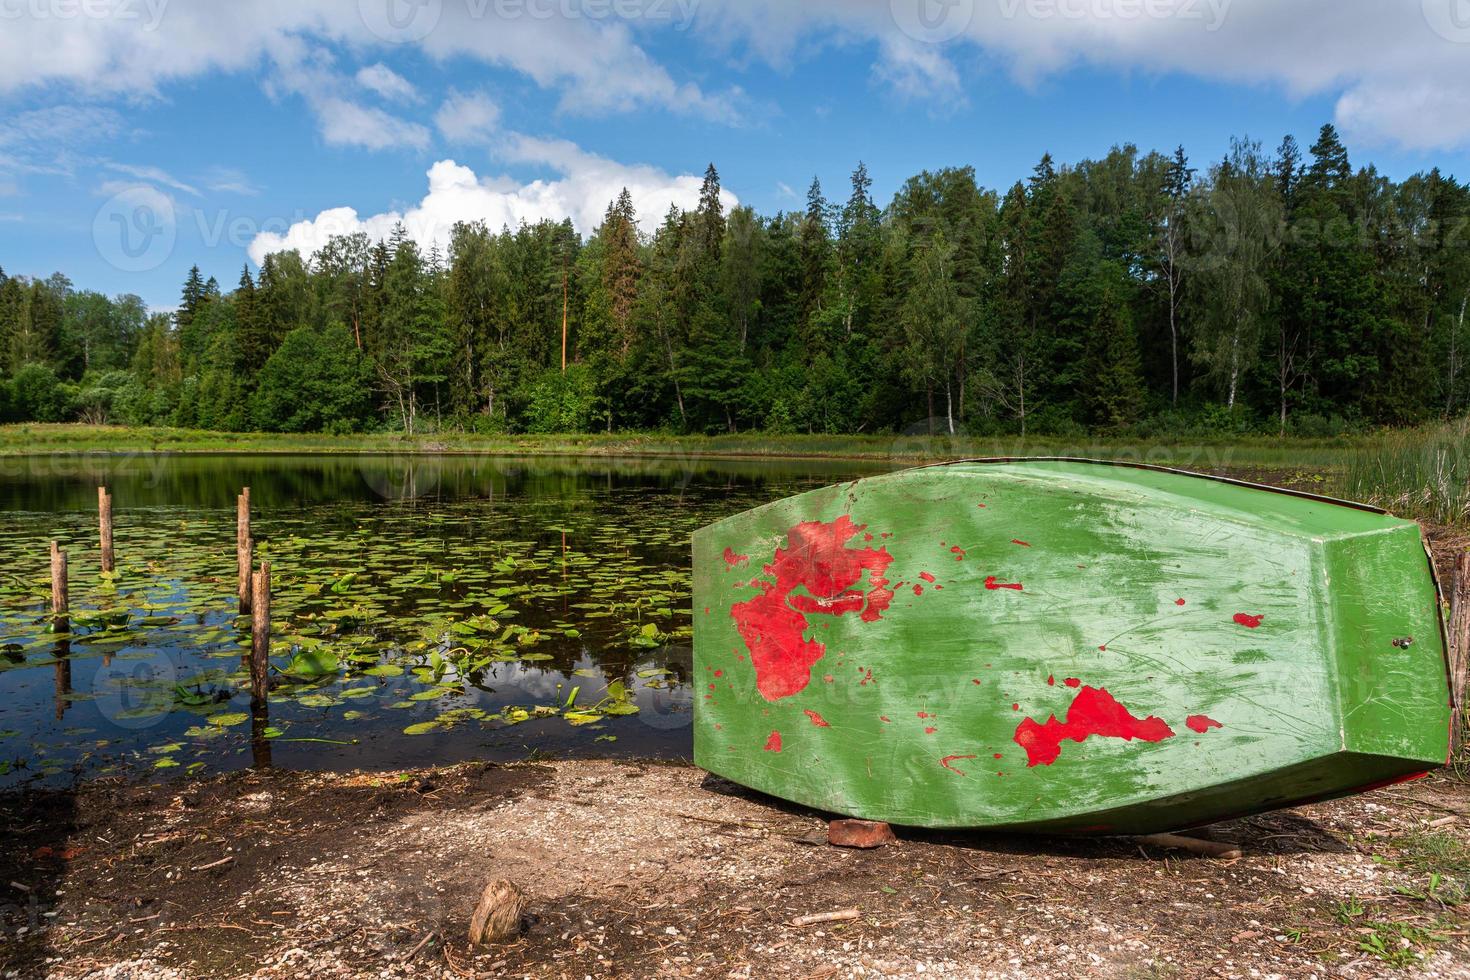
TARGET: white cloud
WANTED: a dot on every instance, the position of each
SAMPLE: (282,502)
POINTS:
(346,123)
(1396,67)
(153,175)
(310,72)
(467,117)
(595,63)
(584,186)
(387,83)
(229,180)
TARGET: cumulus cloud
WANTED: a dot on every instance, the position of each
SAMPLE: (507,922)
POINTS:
(581,190)
(467,117)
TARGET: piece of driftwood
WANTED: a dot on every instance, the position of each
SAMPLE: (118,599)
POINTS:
(1194,845)
(817,918)
(498,916)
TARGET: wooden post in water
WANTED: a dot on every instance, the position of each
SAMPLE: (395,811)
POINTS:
(244,562)
(260,634)
(104,523)
(244,549)
(59,599)
(1459,647)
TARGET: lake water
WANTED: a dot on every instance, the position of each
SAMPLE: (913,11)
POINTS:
(425,609)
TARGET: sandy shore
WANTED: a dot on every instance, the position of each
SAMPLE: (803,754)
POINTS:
(637,870)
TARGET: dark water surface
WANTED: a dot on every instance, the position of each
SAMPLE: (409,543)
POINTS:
(425,609)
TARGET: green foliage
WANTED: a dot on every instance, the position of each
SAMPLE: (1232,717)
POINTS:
(315,382)
(37,395)
(1133,293)
(558,402)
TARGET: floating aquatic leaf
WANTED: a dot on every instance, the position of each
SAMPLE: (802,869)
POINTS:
(422,728)
(312,663)
(229,719)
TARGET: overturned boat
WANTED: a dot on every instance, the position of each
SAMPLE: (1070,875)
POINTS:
(1065,645)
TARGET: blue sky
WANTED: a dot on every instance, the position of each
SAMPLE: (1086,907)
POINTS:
(138,137)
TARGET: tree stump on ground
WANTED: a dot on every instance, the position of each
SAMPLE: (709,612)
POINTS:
(498,916)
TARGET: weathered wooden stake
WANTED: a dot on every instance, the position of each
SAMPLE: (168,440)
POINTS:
(244,562)
(244,548)
(59,598)
(104,521)
(242,516)
(1459,647)
(260,633)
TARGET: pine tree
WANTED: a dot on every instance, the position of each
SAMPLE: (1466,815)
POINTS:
(1330,169)
(1115,391)
(194,296)
(252,341)
(622,267)
(711,216)
(814,245)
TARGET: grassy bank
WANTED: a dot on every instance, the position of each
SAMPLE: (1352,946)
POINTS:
(1421,472)
(1253,451)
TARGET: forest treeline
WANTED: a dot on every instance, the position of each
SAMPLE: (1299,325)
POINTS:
(1269,291)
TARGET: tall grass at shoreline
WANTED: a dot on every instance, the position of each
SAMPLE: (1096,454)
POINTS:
(1422,473)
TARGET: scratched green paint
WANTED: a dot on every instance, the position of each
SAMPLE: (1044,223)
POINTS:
(1317,701)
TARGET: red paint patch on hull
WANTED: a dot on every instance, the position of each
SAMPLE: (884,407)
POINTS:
(817,719)
(773,744)
(732,559)
(816,558)
(992,583)
(958,552)
(1201,723)
(1024,544)
(1072,682)
(1248,621)
(1094,712)
(1178,602)
(947,761)
(927,577)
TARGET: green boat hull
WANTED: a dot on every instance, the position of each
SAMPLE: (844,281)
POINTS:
(1065,646)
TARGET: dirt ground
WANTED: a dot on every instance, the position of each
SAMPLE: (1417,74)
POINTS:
(636,870)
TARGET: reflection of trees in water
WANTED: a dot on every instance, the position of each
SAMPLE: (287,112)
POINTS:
(69,483)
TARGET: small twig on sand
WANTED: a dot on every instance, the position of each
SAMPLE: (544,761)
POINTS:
(843,915)
(215,864)
(422,943)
